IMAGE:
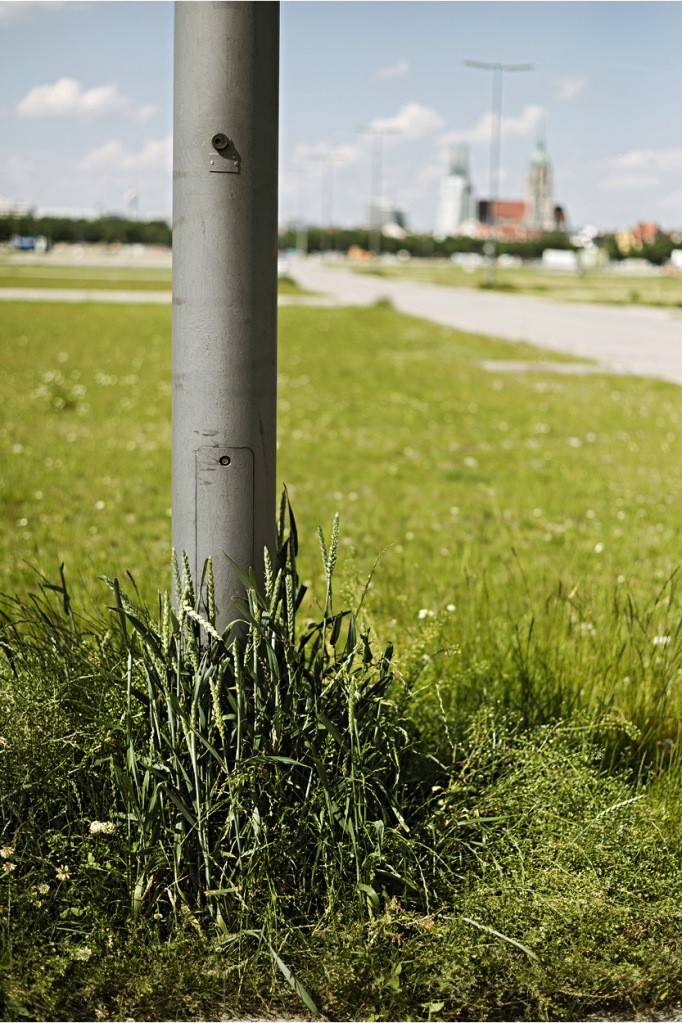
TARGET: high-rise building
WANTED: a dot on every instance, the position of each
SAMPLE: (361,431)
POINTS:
(385,216)
(455,204)
(540,214)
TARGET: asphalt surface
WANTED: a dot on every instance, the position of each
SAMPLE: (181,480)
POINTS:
(640,340)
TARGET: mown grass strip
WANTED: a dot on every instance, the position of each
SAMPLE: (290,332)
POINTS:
(599,285)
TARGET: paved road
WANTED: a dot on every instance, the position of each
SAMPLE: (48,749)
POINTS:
(641,340)
(85,295)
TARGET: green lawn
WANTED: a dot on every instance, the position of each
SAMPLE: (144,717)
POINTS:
(493,489)
(595,286)
(40,275)
(532,521)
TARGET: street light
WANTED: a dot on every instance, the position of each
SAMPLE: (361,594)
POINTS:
(329,159)
(495,145)
(375,179)
(301,217)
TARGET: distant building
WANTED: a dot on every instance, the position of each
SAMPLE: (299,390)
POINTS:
(631,239)
(513,219)
(507,215)
(384,216)
(14,208)
(455,202)
(540,212)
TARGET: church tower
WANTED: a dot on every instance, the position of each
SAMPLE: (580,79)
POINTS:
(539,214)
(455,204)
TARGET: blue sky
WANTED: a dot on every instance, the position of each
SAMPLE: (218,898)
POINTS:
(86,104)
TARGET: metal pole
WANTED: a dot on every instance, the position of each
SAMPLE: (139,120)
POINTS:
(225,288)
(376,170)
(495,146)
(331,205)
(490,247)
(380,169)
(375,196)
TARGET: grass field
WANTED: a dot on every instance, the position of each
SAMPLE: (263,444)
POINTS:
(529,588)
(503,484)
(40,275)
(595,286)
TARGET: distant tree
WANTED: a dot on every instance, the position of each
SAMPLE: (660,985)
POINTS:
(105,229)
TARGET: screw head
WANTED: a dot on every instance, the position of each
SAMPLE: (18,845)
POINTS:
(220,140)
(225,460)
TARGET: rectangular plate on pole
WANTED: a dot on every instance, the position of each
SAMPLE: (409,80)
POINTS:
(224,493)
(225,162)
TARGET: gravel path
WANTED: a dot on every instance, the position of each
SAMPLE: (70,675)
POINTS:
(642,340)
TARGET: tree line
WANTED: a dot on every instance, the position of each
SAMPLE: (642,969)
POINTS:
(112,229)
(108,229)
(318,239)
(324,240)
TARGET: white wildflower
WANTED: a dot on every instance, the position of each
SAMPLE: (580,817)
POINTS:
(62,873)
(83,953)
(7,851)
(102,828)
(661,640)
(7,868)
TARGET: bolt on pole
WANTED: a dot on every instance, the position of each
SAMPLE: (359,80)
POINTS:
(225,289)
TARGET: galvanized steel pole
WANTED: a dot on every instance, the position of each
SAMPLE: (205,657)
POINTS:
(495,146)
(225,288)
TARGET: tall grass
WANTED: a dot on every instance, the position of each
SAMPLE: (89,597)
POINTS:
(249,757)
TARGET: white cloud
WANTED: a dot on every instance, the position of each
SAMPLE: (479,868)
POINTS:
(673,201)
(19,170)
(413,121)
(22,10)
(651,159)
(430,172)
(145,113)
(115,161)
(629,182)
(67,98)
(321,152)
(571,86)
(399,70)
(526,124)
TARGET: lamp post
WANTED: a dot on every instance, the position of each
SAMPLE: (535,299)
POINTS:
(375,180)
(327,197)
(301,217)
(495,146)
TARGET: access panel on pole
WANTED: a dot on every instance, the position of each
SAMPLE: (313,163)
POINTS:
(225,289)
